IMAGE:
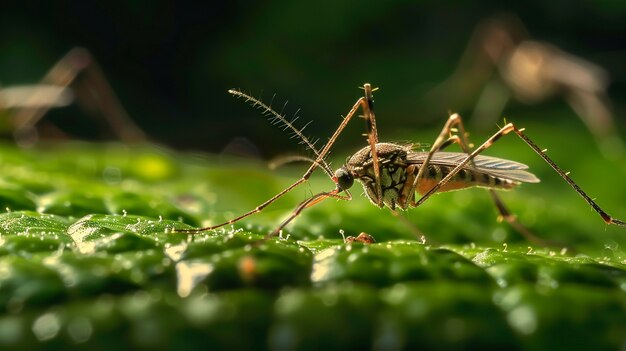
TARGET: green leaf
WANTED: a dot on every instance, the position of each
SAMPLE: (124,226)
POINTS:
(90,257)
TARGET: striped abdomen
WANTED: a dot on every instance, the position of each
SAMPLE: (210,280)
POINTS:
(463,179)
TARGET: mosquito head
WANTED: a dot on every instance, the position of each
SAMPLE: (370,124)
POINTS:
(344,178)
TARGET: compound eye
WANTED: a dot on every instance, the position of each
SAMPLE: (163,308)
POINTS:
(344,178)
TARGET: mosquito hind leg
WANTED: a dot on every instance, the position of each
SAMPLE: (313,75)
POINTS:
(463,141)
(608,219)
(510,127)
(504,213)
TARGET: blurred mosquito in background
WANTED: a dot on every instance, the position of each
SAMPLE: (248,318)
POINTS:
(529,71)
(391,174)
(76,77)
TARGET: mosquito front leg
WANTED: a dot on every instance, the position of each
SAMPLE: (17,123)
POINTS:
(506,130)
(308,203)
(318,162)
(367,105)
(249,213)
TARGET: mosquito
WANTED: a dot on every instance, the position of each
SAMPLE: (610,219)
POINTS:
(529,71)
(391,174)
(76,77)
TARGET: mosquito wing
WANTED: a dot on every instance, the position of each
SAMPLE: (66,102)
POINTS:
(494,166)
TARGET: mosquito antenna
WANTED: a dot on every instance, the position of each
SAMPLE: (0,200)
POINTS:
(283,123)
(319,162)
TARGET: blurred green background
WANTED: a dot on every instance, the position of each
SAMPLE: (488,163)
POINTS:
(172,62)
(100,254)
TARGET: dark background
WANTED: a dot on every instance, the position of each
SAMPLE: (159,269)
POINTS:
(172,62)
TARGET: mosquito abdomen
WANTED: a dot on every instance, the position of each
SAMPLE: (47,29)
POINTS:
(465,178)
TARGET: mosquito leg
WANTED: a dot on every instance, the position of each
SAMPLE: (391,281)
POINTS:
(462,139)
(511,219)
(506,130)
(490,104)
(446,137)
(99,96)
(595,111)
(62,74)
(255,210)
(318,162)
(305,204)
(605,216)
(471,155)
(367,106)
(503,210)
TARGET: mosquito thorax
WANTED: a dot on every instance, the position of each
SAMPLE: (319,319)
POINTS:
(385,151)
(344,178)
(392,166)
